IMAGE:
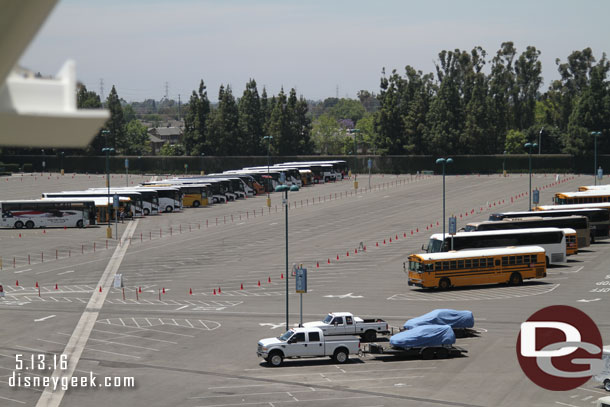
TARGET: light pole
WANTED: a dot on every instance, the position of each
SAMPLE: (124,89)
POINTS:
(540,140)
(594,134)
(504,165)
(43,162)
(61,164)
(108,150)
(285,188)
(444,162)
(268,138)
(202,172)
(529,146)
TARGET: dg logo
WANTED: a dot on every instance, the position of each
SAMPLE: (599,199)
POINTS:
(560,348)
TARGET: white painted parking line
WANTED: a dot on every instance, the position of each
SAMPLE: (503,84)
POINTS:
(13,400)
(76,345)
(121,335)
(65,272)
(44,318)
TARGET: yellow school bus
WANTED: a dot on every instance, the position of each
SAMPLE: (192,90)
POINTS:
(443,270)
(582,197)
(571,241)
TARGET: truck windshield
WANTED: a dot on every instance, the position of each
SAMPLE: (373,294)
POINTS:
(328,319)
(286,335)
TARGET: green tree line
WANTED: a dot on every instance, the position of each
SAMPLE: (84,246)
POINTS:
(473,103)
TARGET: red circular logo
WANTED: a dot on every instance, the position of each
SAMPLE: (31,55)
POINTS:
(549,343)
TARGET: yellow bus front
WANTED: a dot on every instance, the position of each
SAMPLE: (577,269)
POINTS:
(417,274)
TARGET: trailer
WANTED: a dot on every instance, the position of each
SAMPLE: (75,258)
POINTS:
(425,341)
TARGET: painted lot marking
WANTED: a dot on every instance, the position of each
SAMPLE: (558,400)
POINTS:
(145,323)
(44,318)
(475,294)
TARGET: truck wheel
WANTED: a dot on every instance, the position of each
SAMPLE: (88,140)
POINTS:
(18,224)
(607,384)
(29,224)
(341,355)
(515,279)
(275,359)
(427,354)
(369,336)
(444,284)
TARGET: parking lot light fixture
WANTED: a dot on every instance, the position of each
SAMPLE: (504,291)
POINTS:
(595,134)
(444,162)
(285,188)
(529,147)
(268,138)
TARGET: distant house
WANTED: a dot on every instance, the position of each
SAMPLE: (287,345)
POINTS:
(155,143)
(159,136)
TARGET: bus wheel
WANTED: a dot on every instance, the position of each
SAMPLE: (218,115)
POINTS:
(29,224)
(196,204)
(515,279)
(146,211)
(18,224)
(79,223)
(444,284)
(169,208)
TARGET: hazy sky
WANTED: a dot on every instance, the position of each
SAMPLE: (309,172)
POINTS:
(314,45)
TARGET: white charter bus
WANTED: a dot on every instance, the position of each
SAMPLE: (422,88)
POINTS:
(40,213)
(552,240)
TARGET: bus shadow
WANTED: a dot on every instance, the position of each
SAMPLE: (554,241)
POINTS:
(483,287)
(570,261)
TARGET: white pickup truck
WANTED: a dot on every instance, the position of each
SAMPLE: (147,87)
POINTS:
(344,323)
(307,343)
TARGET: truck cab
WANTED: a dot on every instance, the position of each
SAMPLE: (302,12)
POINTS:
(306,342)
(345,323)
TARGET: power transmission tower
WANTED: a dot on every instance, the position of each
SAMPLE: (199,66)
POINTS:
(166,90)
(102,90)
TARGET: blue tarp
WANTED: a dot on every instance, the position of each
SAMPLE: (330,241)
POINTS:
(425,335)
(451,317)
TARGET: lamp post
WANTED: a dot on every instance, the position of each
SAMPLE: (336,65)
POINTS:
(594,134)
(268,138)
(202,164)
(530,146)
(285,188)
(504,165)
(108,150)
(540,140)
(43,161)
(61,162)
(444,162)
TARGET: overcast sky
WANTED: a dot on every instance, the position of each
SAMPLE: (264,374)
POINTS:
(315,46)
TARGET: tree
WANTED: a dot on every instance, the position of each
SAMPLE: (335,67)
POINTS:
(251,120)
(366,125)
(515,140)
(224,136)
(137,138)
(347,109)
(116,124)
(171,150)
(327,135)
(528,71)
(196,121)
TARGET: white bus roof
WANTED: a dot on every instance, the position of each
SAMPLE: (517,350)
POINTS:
(88,192)
(594,187)
(99,200)
(598,205)
(438,236)
(585,194)
(47,199)
(464,254)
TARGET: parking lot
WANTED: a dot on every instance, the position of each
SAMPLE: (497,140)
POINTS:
(204,285)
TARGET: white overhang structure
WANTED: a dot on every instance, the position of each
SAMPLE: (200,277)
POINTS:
(36,111)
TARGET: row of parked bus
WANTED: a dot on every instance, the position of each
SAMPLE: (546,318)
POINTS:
(102,205)
(513,246)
